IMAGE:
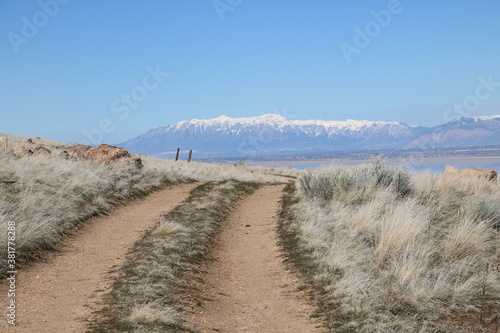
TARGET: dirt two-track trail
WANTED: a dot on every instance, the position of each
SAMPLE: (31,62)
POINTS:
(60,292)
(247,287)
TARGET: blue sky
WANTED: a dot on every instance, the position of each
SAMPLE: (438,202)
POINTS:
(67,67)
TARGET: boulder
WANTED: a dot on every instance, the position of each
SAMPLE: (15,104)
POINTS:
(450,171)
(136,161)
(482,173)
(102,154)
(42,151)
(108,154)
(22,151)
(64,154)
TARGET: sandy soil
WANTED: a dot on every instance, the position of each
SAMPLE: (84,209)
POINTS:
(58,293)
(247,288)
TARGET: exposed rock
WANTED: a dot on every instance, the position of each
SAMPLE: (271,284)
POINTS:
(450,171)
(137,162)
(64,155)
(78,147)
(42,151)
(22,151)
(30,140)
(107,154)
(483,173)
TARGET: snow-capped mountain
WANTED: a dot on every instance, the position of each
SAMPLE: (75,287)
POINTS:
(272,134)
(461,132)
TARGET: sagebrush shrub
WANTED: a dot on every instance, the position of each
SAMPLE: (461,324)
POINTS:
(326,184)
(389,246)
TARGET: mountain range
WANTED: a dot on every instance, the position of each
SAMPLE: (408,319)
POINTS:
(272,134)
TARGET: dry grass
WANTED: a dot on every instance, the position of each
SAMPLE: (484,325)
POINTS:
(11,142)
(145,296)
(147,314)
(205,172)
(45,196)
(168,228)
(274,170)
(396,252)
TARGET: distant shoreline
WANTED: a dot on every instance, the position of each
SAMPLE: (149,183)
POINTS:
(434,164)
(390,160)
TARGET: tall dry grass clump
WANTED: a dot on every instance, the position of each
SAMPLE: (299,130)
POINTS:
(397,252)
(46,196)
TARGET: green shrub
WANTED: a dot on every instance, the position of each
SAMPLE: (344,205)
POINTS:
(329,183)
(484,208)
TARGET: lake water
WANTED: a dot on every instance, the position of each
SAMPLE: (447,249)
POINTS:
(413,164)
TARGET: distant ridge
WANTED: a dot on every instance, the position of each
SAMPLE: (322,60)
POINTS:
(273,134)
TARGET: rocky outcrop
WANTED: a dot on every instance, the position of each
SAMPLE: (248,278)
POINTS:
(65,155)
(22,151)
(450,171)
(42,151)
(102,154)
(483,173)
(108,154)
(76,148)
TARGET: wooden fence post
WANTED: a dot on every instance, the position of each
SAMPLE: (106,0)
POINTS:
(177,155)
(190,155)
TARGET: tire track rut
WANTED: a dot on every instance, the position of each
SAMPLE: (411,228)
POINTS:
(60,292)
(247,287)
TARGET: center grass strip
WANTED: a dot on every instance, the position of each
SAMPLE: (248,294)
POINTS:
(143,298)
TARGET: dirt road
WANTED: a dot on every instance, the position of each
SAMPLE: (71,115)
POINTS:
(58,294)
(246,286)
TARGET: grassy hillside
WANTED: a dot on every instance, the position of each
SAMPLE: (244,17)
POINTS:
(395,252)
(47,195)
(9,142)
